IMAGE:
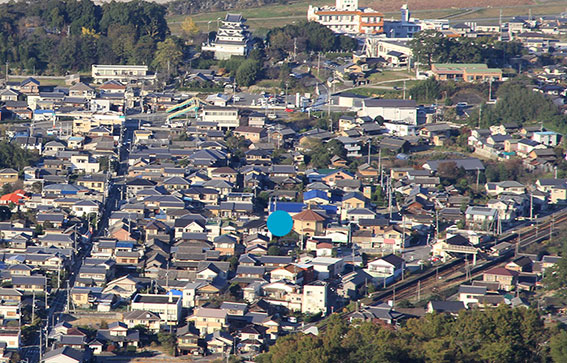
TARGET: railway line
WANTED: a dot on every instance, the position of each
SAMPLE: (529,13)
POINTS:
(459,270)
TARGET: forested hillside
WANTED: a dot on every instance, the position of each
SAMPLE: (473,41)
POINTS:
(184,7)
(502,334)
(62,36)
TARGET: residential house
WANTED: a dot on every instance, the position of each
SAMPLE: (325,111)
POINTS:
(168,307)
(308,223)
(315,298)
(505,278)
(209,320)
(390,266)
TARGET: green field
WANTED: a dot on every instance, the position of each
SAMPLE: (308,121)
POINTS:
(266,17)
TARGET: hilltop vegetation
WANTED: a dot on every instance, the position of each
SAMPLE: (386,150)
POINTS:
(502,334)
(184,7)
(61,36)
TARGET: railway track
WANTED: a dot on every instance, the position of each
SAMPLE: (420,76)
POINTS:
(442,277)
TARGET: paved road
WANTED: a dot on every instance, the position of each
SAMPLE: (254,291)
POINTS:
(58,302)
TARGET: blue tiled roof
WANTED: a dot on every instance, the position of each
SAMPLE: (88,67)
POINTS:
(315,194)
(290,207)
(330,209)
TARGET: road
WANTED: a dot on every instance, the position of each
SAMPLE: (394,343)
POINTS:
(59,301)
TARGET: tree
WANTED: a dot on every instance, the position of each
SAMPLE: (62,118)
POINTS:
(425,44)
(168,342)
(558,347)
(189,28)
(247,72)
(426,91)
(556,277)
(168,55)
(5,213)
(274,250)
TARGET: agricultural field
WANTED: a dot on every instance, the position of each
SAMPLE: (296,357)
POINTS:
(264,18)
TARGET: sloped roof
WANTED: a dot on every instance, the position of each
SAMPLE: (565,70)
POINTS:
(308,215)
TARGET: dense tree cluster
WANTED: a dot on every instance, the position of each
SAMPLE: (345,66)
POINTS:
(517,102)
(319,154)
(430,46)
(60,36)
(502,334)
(308,36)
(426,91)
(196,7)
(13,156)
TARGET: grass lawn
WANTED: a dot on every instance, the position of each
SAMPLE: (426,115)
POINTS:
(376,92)
(390,75)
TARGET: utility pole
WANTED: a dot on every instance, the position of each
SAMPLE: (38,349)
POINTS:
(531,206)
(68,298)
(404,92)
(318,64)
(390,196)
(394,298)
(551,227)
(40,342)
(294,48)
(33,307)
(369,142)
(380,165)
(418,290)
(518,243)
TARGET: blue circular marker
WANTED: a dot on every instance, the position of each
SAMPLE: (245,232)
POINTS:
(280,223)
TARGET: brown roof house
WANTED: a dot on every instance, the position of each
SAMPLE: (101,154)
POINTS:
(506,279)
(309,223)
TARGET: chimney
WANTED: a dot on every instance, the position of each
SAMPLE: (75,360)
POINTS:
(170,296)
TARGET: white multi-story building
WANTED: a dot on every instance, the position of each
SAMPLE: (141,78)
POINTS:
(224,117)
(168,307)
(123,73)
(401,111)
(232,38)
(315,298)
(347,17)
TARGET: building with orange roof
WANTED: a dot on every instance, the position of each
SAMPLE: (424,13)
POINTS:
(308,223)
(17,197)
